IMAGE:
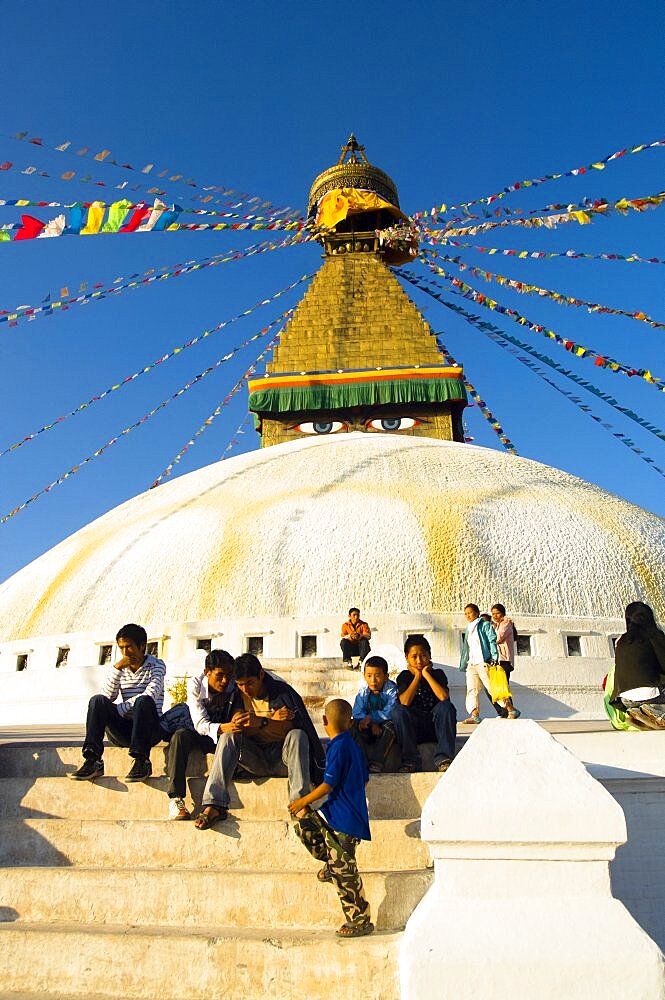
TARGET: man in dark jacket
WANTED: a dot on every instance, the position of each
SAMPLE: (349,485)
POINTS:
(273,736)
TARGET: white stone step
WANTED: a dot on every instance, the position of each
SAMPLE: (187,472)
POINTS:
(396,844)
(71,962)
(390,796)
(191,898)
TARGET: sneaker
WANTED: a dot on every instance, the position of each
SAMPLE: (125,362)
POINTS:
(178,809)
(514,713)
(89,770)
(407,768)
(443,765)
(141,769)
(473,720)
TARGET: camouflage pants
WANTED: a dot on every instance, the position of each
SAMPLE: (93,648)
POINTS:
(338,852)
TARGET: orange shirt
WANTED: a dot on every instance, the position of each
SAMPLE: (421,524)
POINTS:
(354,632)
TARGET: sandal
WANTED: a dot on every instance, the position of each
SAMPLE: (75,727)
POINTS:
(205,820)
(324,875)
(355,930)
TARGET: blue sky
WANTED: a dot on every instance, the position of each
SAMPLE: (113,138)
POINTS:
(455,101)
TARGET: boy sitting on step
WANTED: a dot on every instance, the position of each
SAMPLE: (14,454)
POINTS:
(378,717)
(212,703)
(332,819)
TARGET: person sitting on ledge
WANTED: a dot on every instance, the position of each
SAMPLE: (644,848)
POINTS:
(133,721)
(379,719)
(423,691)
(639,669)
(355,638)
(212,701)
(272,736)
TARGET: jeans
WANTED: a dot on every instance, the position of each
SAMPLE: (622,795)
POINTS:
(288,759)
(444,719)
(357,647)
(139,731)
(181,745)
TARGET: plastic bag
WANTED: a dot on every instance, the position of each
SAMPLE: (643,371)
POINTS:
(499,689)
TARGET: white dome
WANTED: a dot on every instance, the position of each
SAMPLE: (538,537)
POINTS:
(393,524)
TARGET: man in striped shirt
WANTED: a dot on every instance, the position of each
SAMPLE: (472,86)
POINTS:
(127,710)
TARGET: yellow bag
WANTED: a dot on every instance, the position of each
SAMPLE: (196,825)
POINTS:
(499,689)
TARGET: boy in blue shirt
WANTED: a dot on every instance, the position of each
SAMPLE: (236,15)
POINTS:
(334,828)
(378,716)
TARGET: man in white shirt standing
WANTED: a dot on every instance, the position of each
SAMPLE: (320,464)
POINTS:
(212,702)
(127,710)
(478,648)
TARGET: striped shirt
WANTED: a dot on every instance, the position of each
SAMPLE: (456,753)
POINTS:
(148,679)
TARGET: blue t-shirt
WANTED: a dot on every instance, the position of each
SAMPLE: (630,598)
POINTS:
(345,809)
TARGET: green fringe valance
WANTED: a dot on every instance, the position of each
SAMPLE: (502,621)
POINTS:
(298,399)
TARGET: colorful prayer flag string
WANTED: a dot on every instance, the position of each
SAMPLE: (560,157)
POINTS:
(99,292)
(577,350)
(527,288)
(51,303)
(132,206)
(66,475)
(215,413)
(582,216)
(159,361)
(121,219)
(104,156)
(623,438)
(632,258)
(495,334)
(535,181)
(239,431)
(480,403)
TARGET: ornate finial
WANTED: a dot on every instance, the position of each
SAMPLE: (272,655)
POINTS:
(351,150)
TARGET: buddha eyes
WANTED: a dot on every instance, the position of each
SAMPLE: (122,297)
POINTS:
(320,426)
(392,423)
(372,424)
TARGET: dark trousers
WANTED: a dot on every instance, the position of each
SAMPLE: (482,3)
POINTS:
(443,733)
(375,748)
(338,851)
(140,731)
(181,745)
(351,647)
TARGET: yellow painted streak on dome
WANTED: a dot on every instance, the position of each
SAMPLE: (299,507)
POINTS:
(604,515)
(76,561)
(233,557)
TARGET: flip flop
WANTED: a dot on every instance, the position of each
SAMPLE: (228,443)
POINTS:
(204,821)
(355,930)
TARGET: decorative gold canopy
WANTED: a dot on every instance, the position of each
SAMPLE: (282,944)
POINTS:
(352,170)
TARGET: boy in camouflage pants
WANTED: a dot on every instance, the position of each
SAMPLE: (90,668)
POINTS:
(332,832)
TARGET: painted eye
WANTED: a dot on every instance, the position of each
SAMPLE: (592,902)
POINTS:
(319,427)
(393,423)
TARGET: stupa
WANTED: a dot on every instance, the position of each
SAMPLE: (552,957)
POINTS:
(362,494)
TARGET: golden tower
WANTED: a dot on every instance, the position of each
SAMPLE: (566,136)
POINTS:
(357,355)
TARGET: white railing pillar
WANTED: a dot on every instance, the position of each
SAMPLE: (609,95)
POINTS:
(521,837)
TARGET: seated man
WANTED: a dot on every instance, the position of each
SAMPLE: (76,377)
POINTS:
(133,721)
(423,691)
(273,735)
(355,638)
(212,701)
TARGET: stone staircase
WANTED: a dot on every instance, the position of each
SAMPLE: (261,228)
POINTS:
(101,897)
